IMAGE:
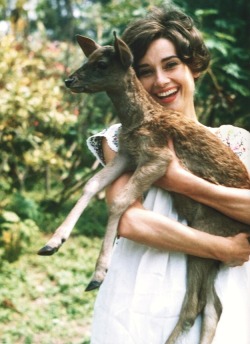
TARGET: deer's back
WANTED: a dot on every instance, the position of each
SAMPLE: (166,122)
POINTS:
(199,150)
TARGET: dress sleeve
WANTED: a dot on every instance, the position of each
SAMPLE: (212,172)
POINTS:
(238,140)
(94,142)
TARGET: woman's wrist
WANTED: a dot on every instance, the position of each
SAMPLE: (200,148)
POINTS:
(234,251)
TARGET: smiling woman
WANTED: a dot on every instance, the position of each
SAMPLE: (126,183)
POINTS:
(141,297)
(166,78)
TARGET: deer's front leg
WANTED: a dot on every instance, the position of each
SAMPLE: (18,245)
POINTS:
(104,257)
(144,176)
(97,183)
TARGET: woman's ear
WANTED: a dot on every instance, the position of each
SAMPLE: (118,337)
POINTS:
(196,75)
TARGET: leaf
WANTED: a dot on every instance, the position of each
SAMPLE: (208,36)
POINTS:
(224,36)
(220,46)
(10,216)
(241,89)
(205,12)
(234,70)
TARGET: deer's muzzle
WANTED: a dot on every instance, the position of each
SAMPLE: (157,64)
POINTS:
(69,82)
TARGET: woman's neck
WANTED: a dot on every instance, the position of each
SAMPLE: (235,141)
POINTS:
(190,112)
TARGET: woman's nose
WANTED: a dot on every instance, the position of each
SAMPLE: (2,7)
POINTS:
(161,79)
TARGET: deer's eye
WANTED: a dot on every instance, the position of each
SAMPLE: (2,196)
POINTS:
(102,65)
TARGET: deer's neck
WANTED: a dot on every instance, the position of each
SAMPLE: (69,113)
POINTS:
(132,102)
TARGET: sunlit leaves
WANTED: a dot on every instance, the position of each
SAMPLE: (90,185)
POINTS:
(33,112)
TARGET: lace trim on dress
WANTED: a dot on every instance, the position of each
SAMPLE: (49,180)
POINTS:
(94,142)
(238,140)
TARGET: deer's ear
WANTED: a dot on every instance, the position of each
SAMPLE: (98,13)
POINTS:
(87,45)
(123,51)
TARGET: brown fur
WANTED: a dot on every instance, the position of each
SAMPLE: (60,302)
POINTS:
(146,127)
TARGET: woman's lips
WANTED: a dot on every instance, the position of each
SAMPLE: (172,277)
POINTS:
(167,96)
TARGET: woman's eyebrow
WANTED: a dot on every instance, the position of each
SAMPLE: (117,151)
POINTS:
(170,57)
(163,60)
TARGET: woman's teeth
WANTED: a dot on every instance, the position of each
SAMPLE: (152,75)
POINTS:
(167,93)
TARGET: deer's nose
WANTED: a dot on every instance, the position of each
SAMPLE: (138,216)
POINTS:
(69,82)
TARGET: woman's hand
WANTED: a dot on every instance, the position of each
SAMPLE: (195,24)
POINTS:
(174,179)
(238,250)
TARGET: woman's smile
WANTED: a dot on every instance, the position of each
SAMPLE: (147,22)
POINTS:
(167,96)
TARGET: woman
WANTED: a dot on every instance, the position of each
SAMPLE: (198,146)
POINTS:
(141,297)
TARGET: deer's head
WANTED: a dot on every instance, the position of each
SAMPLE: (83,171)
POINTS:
(105,68)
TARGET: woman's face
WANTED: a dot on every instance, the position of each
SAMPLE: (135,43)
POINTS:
(166,78)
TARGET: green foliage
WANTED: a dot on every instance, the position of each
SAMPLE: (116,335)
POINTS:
(100,20)
(223,95)
(60,15)
(42,134)
(33,114)
(23,206)
(49,306)
(16,235)
(44,158)
(93,222)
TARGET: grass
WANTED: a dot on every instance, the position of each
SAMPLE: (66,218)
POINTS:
(42,299)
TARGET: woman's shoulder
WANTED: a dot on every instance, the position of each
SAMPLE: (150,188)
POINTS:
(94,142)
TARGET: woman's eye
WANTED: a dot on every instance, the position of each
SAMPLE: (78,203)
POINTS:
(144,72)
(171,65)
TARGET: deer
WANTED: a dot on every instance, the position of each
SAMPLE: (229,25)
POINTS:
(146,128)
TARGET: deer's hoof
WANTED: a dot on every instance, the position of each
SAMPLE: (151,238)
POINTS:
(47,251)
(93,285)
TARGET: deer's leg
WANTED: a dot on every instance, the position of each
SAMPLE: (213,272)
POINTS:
(201,274)
(141,180)
(212,311)
(98,182)
(104,257)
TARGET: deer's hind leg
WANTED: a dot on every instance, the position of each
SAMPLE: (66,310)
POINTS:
(144,176)
(200,298)
(212,310)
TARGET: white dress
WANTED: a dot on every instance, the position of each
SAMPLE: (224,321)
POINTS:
(140,300)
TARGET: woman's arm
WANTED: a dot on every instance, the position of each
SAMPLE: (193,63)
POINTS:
(158,231)
(232,202)
(149,228)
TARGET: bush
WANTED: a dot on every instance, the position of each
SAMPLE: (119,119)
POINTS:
(15,235)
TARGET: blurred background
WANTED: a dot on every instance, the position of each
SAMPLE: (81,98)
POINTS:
(44,161)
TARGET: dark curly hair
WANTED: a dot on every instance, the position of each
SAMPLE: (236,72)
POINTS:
(173,25)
